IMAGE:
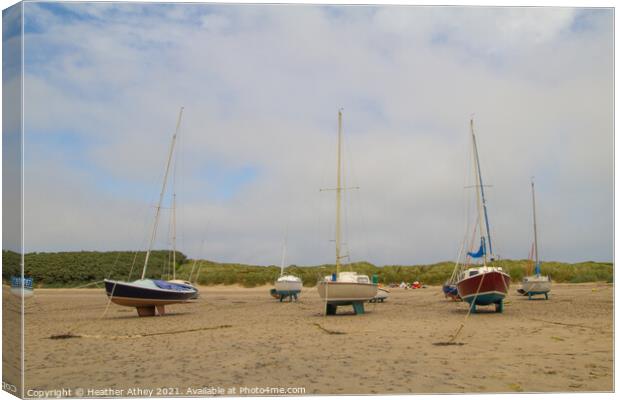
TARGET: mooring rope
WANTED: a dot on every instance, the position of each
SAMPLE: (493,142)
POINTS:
(471,307)
(140,335)
(88,284)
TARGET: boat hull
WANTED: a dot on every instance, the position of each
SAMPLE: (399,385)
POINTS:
(450,290)
(288,288)
(342,293)
(535,285)
(131,295)
(485,288)
(382,295)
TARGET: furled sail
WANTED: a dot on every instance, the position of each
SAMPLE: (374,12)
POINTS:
(481,251)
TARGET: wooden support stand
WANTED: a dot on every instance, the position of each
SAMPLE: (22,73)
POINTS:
(530,294)
(291,297)
(358,308)
(150,311)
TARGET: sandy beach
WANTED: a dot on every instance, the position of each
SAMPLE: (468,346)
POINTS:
(234,337)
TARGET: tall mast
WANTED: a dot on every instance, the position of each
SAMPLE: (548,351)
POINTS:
(161,194)
(476,177)
(174,235)
(479,179)
(535,233)
(338,190)
(283,253)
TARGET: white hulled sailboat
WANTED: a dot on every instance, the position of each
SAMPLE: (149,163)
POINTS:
(287,285)
(348,287)
(537,283)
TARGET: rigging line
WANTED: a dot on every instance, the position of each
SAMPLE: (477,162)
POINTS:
(201,250)
(164,267)
(464,243)
(196,260)
(536,247)
(197,277)
(133,263)
(530,263)
(287,217)
(132,237)
(323,230)
(174,206)
(454,275)
(472,243)
(346,202)
(170,240)
(345,208)
(166,264)
(356,204)
(118,255)
(284,250)
(484,204)
(161,194)
(108,303)
(87,285)
(142,245)
(107,306)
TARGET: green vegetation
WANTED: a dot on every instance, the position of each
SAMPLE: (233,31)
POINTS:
(71,269)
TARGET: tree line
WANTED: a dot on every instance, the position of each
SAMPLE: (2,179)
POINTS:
(73,269)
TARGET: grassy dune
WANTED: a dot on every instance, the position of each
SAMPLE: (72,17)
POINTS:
(212,273)
(71,269)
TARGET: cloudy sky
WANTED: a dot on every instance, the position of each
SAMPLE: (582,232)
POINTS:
(262,85)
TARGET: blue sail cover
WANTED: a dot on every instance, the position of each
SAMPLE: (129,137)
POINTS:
(170,286)
(481,251)
(537,269)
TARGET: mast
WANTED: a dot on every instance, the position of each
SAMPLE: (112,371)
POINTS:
(283,253)
(537,268)
(476,177)
(174,235)
(338,193)
(479,179)
(161,194)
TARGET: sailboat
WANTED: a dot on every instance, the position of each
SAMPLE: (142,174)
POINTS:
(484,284)
(149,296)
(287,285)
(347,287)
(535,284)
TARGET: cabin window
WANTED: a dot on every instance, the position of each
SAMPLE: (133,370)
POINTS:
(472,273)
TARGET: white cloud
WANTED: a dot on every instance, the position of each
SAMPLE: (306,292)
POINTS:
(261,86)
(215,22)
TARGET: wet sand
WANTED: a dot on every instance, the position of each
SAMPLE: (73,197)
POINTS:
(233,337)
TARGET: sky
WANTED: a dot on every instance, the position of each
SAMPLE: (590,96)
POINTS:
(261,86)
